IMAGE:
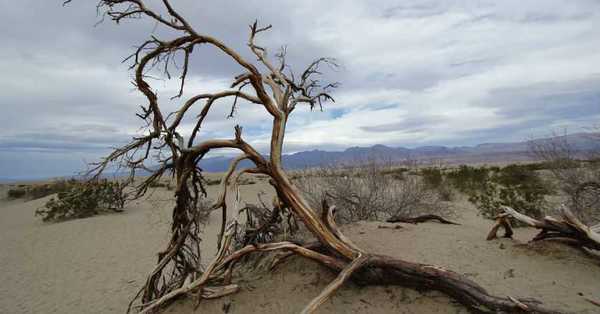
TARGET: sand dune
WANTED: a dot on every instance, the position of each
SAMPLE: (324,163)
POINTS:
(96,265)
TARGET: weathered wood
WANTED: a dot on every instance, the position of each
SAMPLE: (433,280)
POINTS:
(501,221)
(421,219)
(567,228)
(179,270)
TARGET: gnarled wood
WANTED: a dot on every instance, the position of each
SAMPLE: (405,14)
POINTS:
(278,91)
(344,275)
(420,219)
(501,221)
(567,228)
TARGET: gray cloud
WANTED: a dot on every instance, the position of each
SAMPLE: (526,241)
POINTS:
(548,101)
(414,72)
(412,124)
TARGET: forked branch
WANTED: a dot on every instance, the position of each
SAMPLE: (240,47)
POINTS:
(179,269)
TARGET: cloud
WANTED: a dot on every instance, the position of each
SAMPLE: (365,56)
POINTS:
(412,124)
(414,73)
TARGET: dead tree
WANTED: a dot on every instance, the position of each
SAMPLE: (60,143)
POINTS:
(567,229)
(276,89)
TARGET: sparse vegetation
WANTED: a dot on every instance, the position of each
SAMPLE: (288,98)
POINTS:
(35,191)
(468,179)
(84,199)
(432,177)
(268,83)
(16,193)
(517,186)
(576,173)
(371,191)
(435,179)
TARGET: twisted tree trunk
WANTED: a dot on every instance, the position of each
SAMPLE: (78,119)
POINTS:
(179,269)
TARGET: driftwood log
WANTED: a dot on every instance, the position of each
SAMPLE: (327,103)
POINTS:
(420,219)
(272,87)
(568,228)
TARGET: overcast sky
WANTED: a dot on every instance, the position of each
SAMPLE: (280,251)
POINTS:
(413,73)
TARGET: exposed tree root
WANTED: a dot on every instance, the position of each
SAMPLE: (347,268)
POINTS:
(335,284)
(568,228)
(365,269)
(420,219)
(372,269)
(386,270)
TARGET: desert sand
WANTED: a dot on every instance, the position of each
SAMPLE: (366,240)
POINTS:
(97,264)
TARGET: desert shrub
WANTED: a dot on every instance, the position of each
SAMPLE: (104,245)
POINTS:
(537,166)
(396,173)
(527,201)
(432,177)
(16,193)
(515,186)
(84,199)
(576,173)
(524,175)
(35,191)
(42,190)
(366,192)
(468,179)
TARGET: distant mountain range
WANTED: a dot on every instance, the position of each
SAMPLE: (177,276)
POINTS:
(482,153)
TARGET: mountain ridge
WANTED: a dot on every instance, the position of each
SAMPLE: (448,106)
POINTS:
(480,153)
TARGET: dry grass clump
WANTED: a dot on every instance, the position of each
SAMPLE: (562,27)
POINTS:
(576,173)
(371,191)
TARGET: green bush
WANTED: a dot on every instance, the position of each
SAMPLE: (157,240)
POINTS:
(529,202)
(84,199)
(515,186)
(17,193)
(435,179)
(469,179)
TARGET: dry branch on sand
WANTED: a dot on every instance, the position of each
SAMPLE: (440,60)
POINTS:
(568,228)
(421,219)
(277,90)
